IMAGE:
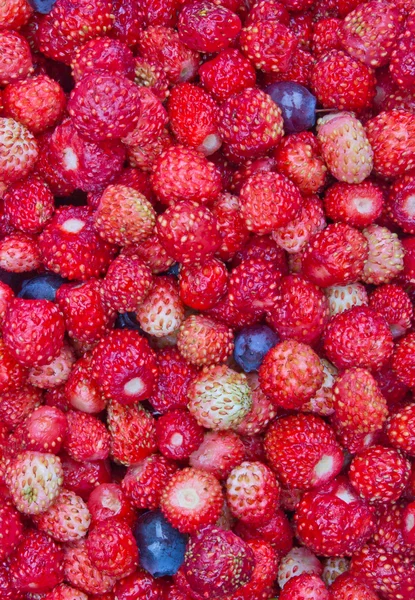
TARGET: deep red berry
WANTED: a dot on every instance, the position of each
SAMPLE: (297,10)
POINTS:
(146,480)
(175,376)
(133,433)
(227,74)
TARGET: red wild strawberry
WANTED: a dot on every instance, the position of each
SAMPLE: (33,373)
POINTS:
(71,247)
(218,562)
(262,411)
(265,571)
(160,12)
(139,584)
(299,70)
(207,27)
(45,429)
(87,318)
(133,433)
(7,589)
(106,54)
(124,366)
(178,434)
(99,115)
(252,492)
(152,120)
(150,74)
(204,341)
(128,20)
(231,225)
(56,372)
(326,36)
(379,474)
(48,170)
(358,337)
(218,453)
(36,566)
(262,10)
(37,103)
(108,500)
(175,376)
(82,573)
(194,118)
(127,283)
(162,311)
(401,65)
(277,532)
(82,478)
(18,150)
(357,204)
(294,236)
(290,374)
(111,548)
(19,253)
(399,203)
(202,286)
(249,168)
(181,173)
(305,586)
(347,586)
(191,500)
(189,232)
(152,253)
(385,133)
(11,528)
(408,247)
(143,156)
(262,248)
(145,481)
(369,32)
(66,592)
(345,147)
(400,429)
(163,45)
(303,451)
(29,204)
(12,373)
(227,74)
(250,124)
(268,44)
(302,24)
(386,255)
(394,305)
(33,331)
(67,520)
(6,295)
(301,312)
(269,201)
(17,404)
(86,437)
(334,256)
(14,14)
(351,520)
(16,59)
(402,361)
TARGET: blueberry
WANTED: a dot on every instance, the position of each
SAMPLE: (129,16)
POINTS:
(14,280)
(42,6)
(251,345)
(297,104)
(161,547)
(41,287)
(174,270)
(127,320)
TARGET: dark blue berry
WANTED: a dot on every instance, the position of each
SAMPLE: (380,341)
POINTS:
(41,287)
(251,345)
(14,280)
(42,6)
(161,547)
(297,104)
(127,320)
(174,270)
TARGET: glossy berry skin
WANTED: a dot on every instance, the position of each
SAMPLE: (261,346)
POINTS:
(111,547)
(138,585)
(227,74)
(178,434)
(29,204)
(175,376)
(201,287)
(103,53)
(41,287)
(297,105)
(269,45)
(161,547)
(252,344)
(146,479)
(108,500)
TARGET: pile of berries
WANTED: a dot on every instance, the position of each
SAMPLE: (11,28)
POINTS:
(207,287)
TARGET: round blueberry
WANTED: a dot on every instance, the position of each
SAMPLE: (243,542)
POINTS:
(127,320)
(161,547)
(174,270)
(297,104)
(251,345)
(42,6)
(41,287)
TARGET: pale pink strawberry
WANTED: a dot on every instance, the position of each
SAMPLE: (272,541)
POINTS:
(56,372)
(162,311)
(204,341)
(385,260)
(67,520)
(343,297)
(296,562)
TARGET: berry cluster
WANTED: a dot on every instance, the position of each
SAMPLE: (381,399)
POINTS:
(207,287)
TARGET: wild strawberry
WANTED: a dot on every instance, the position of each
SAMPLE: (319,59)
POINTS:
(34,480)
(149,73)
(202,286)
(206,27)
(262,10)
(345,147)
(6,295)
(203,341)
(87,318)
(124,366)
(299,69)
(112,548)
(294,236)
(108,500)
(71,247)
(86,437)
(133,433)
(250,124)
(11,528)
(400,429)
(218,453)
(393,303)
(351,520)
(162,311)
(399,203)
(268,44)
(48,170)
(298,157)
(408,246)
(358,205)
(140,583)
(82,478)
(128,20)
(326,36)
(33,331)
(82,573)
(178,434)
(12,373)
(277,532)
(153,119)
(144,155)
(54,373)
(296,562)
(29,204)
(333,568)
(66,592)
(7,589)
(45,429)
(17,404)
(252,492)
(160,12)
(127,283)
(191,500)
(37,103)
(358,337)
(19,253)
(262,411)
(301,312)
(290,374)
(175,376)
(265,571)
(181,173)
(103,53)
(163,45)
(18,150)
(253,285)
(249,168)
(401,62)
(347,584)
(386,255)
(269,201)
(301,24)
(369,32)
(16,59)
(189,232)
(153,253)
(219,397)
(36,566)
(67,520)
(385,133)
(305,586)
(391,387)
(145,481)
(14,14)
(227,74)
